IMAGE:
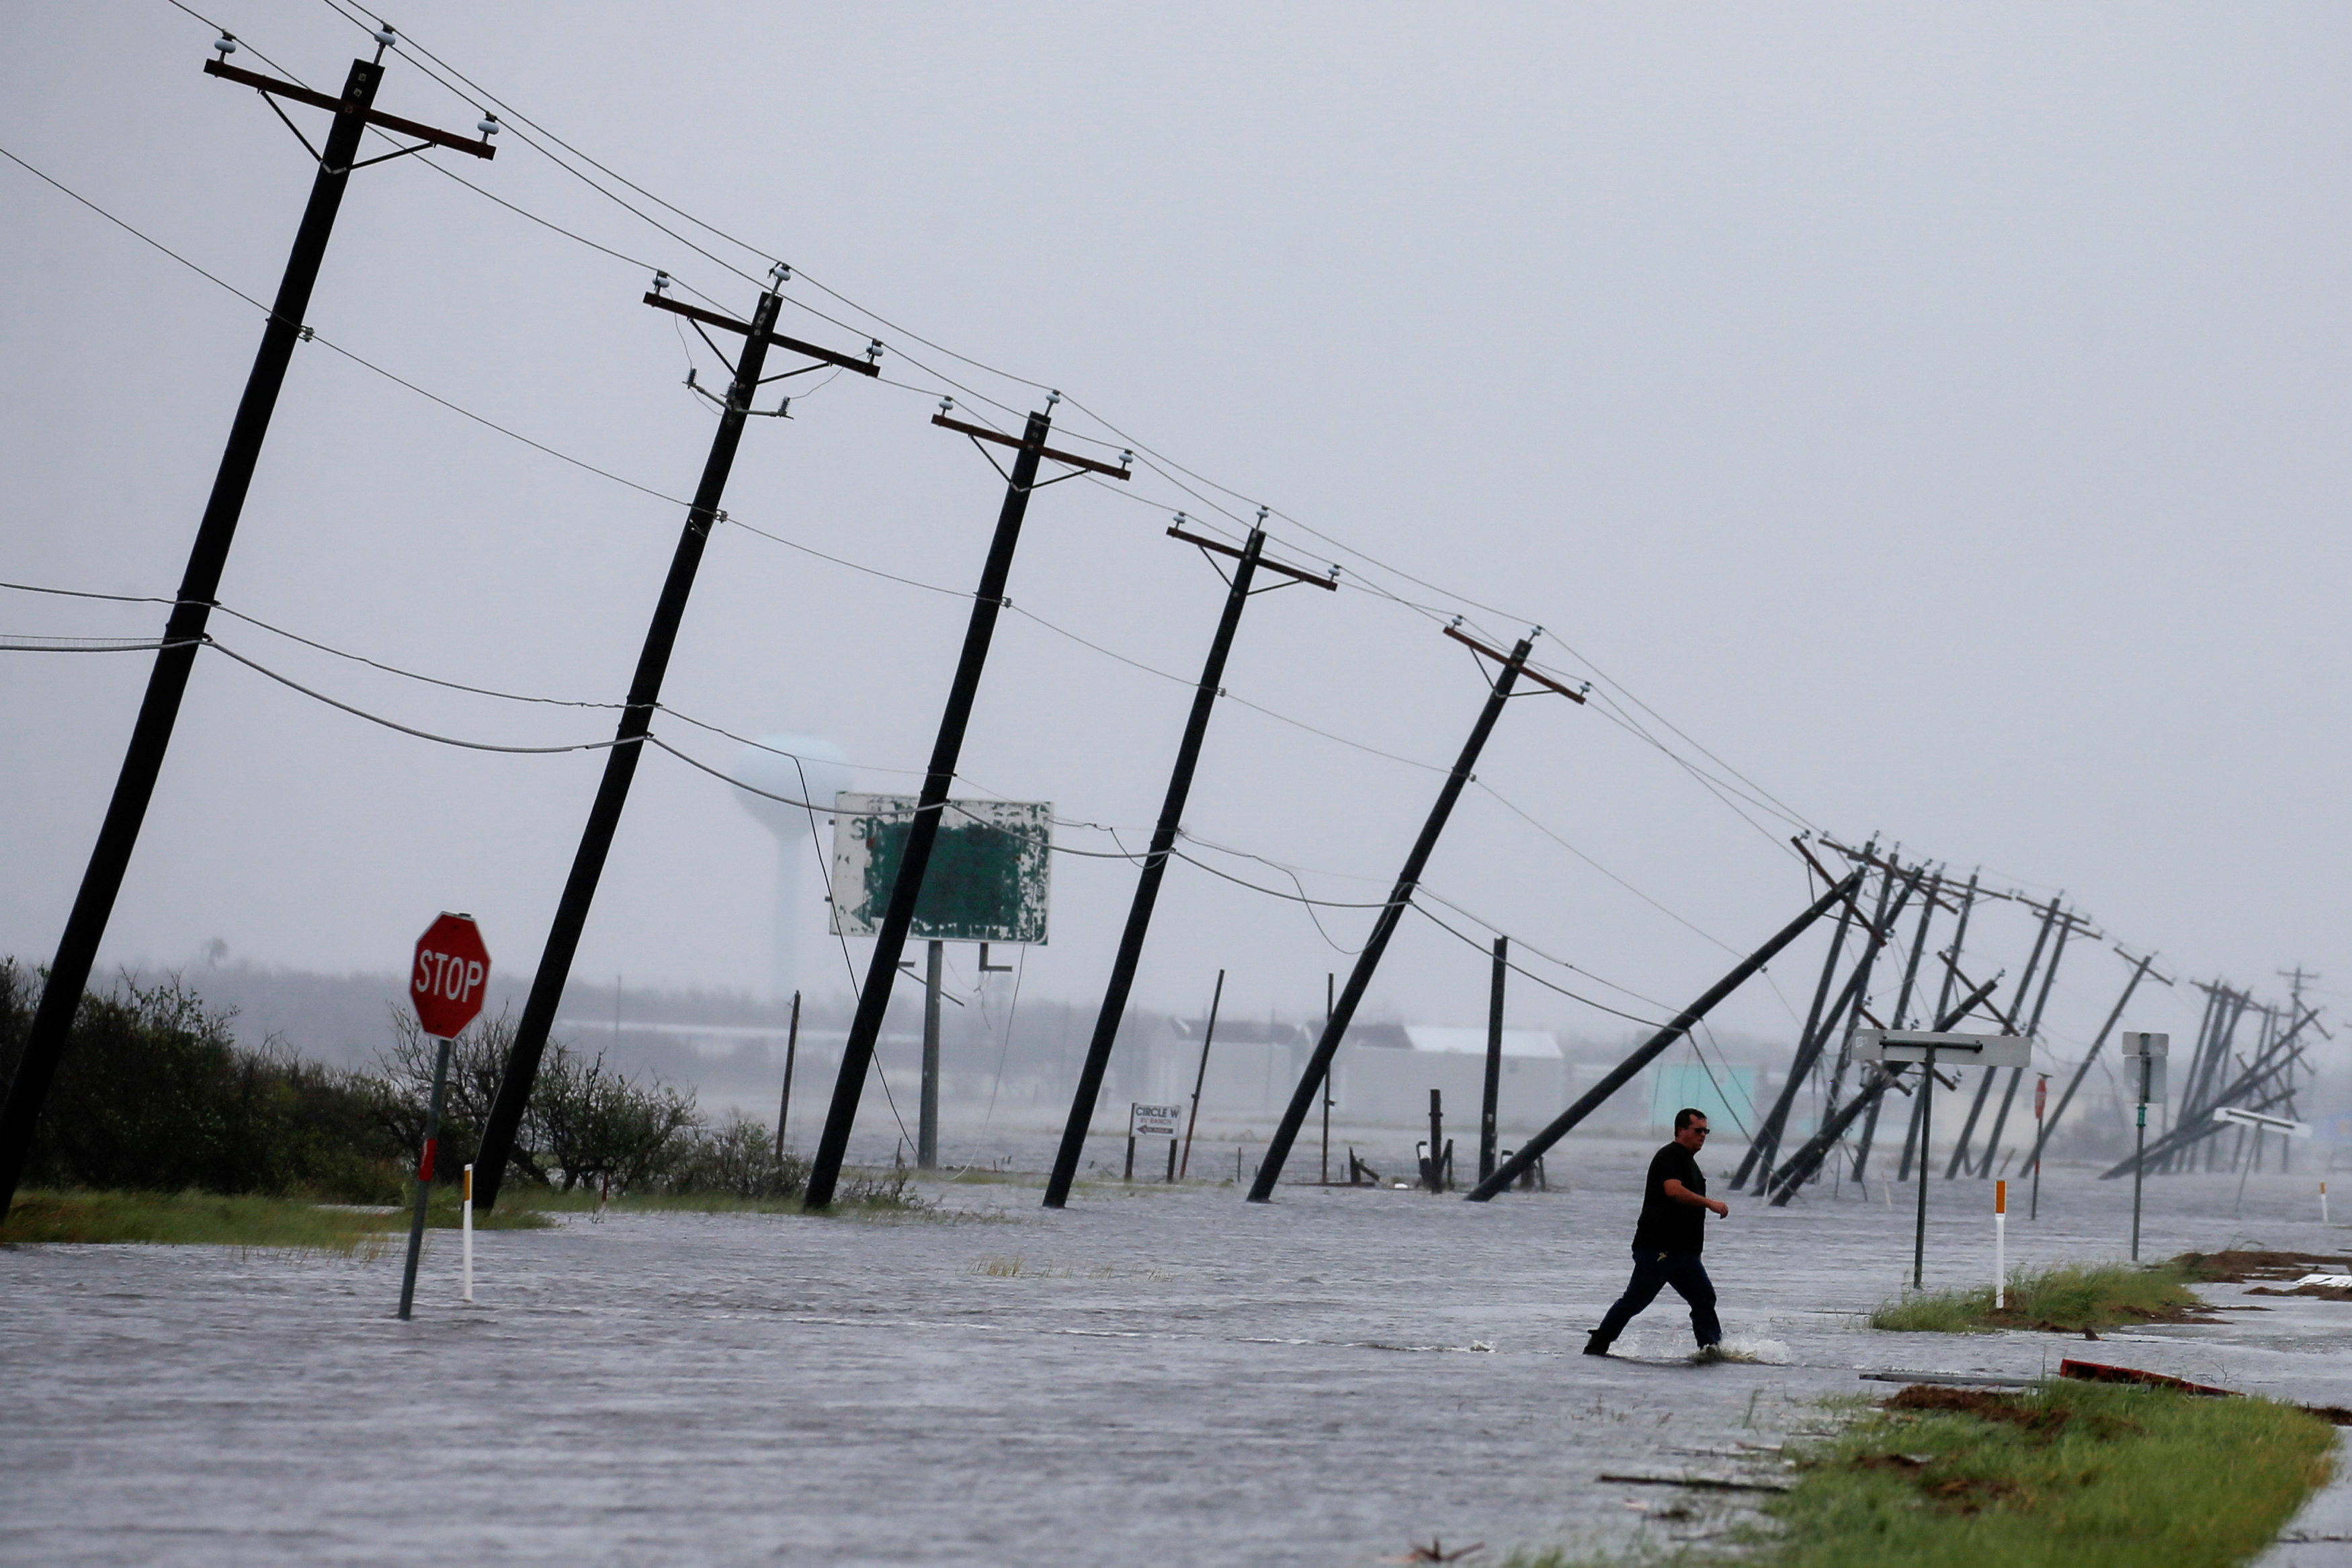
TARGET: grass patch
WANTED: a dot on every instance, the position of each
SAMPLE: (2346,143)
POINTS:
(2073,1298)
(2070,1475)
(885,1193)
(209,1219)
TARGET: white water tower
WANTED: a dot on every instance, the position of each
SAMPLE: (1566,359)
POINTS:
(807,772)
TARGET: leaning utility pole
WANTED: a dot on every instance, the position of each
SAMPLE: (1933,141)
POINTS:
(1494,1057)
(2066,927)
(923,830)
(505,1120)
(1359,977)
(1950,957)
(1247,562)
(1533,1149)
(1900,1016)
(2050,1123)
(1960,1160)
(1876,931)
(184,630)
(1762,1148)
(1806,1163)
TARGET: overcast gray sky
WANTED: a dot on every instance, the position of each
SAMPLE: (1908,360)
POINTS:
(1931,412)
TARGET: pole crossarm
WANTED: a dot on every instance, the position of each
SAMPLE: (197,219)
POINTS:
(1177,531)
(982,432)
(479,146)
(1514,663)
(1534,1148)
(729,324)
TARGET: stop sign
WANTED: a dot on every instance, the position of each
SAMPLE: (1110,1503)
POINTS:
(451,973)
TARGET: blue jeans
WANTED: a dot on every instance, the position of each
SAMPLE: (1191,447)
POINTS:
(1652,1271)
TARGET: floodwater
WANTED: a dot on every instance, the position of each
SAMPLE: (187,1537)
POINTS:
(1154,1375)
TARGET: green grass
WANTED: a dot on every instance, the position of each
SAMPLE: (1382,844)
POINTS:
(207,1220)
(885,1193)
(2072,1475)
(2068,1299)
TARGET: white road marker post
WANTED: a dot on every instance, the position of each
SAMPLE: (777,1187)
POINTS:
(2322,1203)
(469,1232)
(1999,1246)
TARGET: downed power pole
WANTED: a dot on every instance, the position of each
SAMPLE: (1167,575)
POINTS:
(504,1121)
(1247,560)
(1808,1159)
(923,831)
(1767,1134)
(1359,977)
(2050,1123)
(183,629)
(1622,1073)
(1876,931)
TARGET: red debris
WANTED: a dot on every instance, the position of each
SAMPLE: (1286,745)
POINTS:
(2099,1371)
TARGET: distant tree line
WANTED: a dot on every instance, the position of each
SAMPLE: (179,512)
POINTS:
(155,1094)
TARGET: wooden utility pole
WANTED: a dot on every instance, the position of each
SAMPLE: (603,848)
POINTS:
(1494,1086)
(1524,1157)
(1899,1016)
(1511,667)
(946,750)
(791,1049)
(2050,1123)
(2067,925)
(1765,1144)
(1960,1160)
(1876,928)
(505,1120)
(1208,1035)
(1950,957)
(185,629)
(1247,560)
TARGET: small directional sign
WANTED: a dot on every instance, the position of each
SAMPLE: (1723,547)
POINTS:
(2262,1122)
(1950,1050)
(1154,1121)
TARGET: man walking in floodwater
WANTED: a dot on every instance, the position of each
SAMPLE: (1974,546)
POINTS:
(1667,1238)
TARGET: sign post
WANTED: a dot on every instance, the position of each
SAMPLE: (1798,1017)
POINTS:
(1153,1122)
(447,983)
(1922,1046)
(2144,1057)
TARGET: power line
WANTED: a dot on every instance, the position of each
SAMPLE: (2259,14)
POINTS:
(1755,793)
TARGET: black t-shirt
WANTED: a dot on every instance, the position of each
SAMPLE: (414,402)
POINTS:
(1667,1225)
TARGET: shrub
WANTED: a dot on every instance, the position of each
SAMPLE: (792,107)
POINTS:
(153,1093)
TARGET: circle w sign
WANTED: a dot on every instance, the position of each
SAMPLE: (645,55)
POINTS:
(451,974)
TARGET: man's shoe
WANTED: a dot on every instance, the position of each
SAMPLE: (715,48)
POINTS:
(1706,1355)
(1596,1346)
